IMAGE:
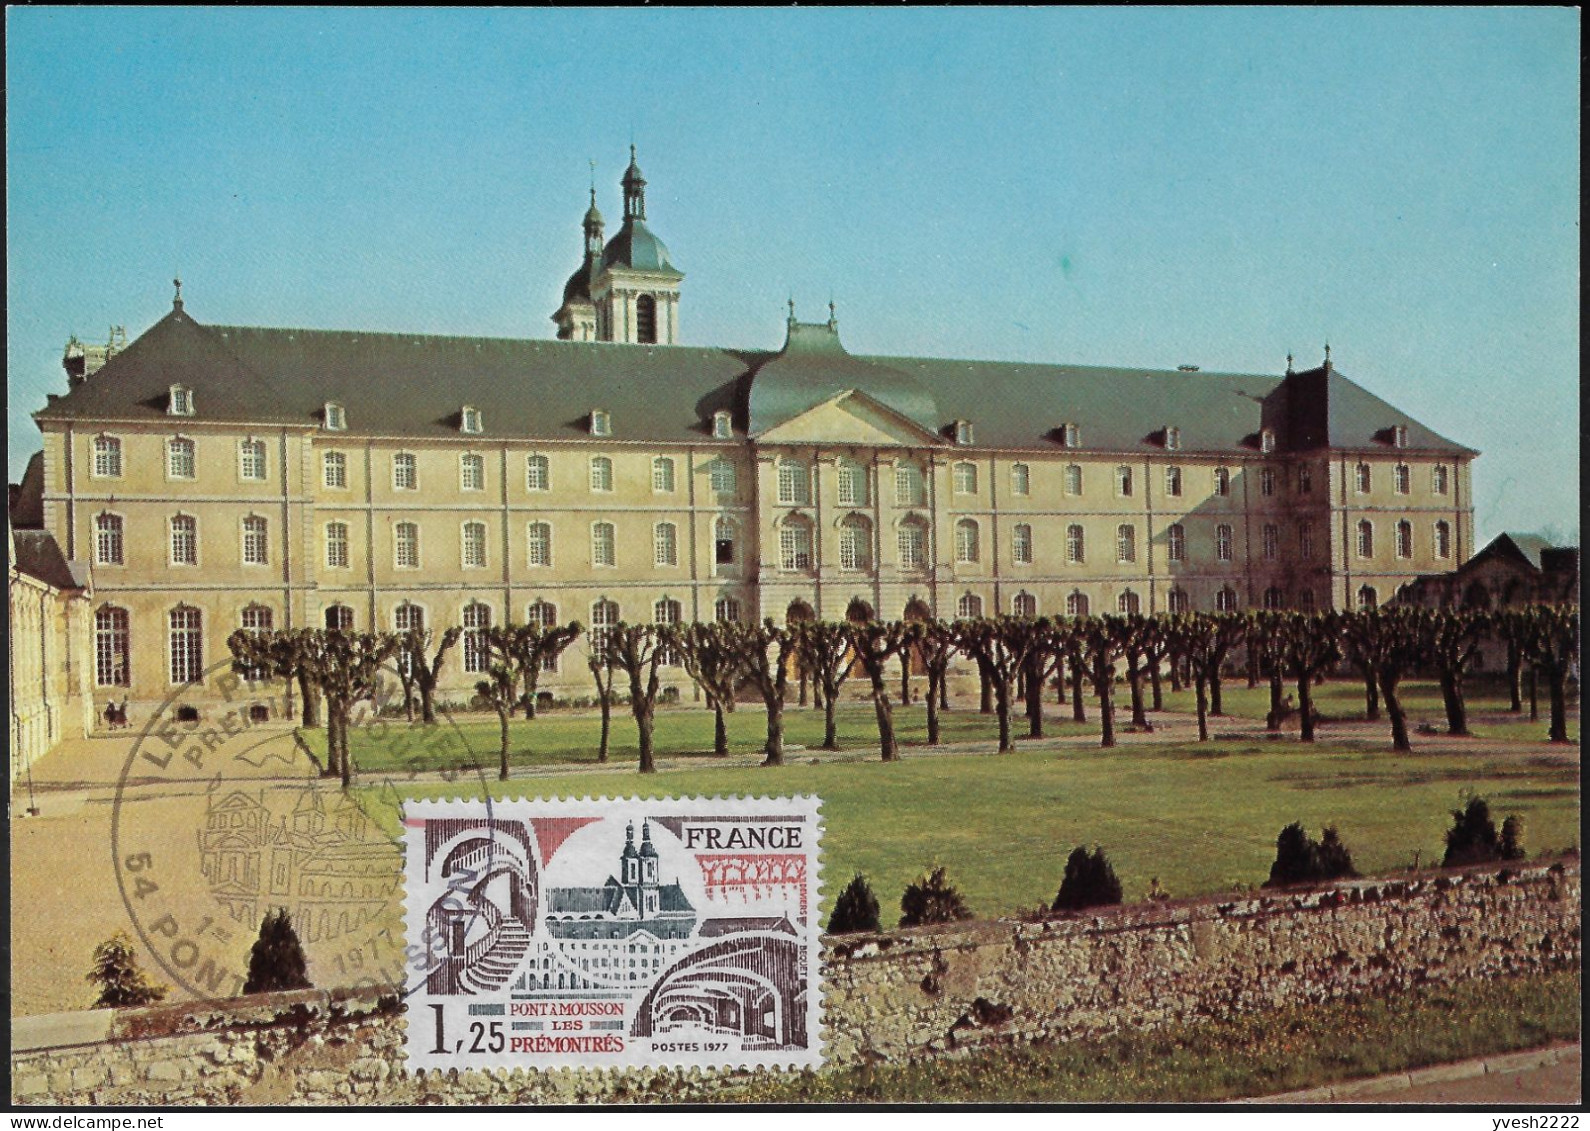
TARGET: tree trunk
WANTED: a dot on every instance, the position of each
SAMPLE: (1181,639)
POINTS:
(935,683)
(1175,676)
(1277,699)
(1457,717)
(1034,696)
(344,762)
(985,691)
(944,691)
(1201,692)
(1079,712)
(428,704)
(1534,693)
(1060,682)
(643,725)
(830,724)
(1371,695)
(880,704)
(1134,680)
(1156,688)
(774,747)
(1515,674)
(1002,709)
(905,678)
(331,768)
(801,700)
(502,726)
(311,716)
(720,731)
(1399,717)
(1253,667)
(1216,707)
(607,728)
(1104,687)
(1557,686)
(1305,704)
(819,698)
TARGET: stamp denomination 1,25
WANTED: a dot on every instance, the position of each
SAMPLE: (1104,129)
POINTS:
(614,933)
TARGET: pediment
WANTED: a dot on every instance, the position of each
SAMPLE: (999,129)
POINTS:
(851,417)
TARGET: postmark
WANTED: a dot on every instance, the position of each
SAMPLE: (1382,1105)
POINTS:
(221,814)
(614,933)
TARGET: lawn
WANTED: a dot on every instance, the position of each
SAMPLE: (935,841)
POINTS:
(1199,818)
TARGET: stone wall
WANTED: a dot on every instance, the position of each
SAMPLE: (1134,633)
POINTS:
(925,992)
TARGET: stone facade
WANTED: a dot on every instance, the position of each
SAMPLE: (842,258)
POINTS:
(51,666)
(907,994)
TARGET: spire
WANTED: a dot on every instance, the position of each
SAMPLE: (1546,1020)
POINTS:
(833,319)
(176,303)
(792,310)
(593,231)
(1289,365)
(646,846)
(629,840)
(634,190)
(1327,357)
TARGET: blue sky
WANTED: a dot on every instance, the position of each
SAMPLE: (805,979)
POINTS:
(1112,186)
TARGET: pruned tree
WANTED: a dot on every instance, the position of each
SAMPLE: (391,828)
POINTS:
(1134,633)
(1230,631)
(764,653)
(1042,661)
(284,655)
(1387,641)
(536,648)
(935,644)
(1000,646)
(1551,646)
(346,667)
(823,649)
(516,654)
(1268,632)
(599,659)
(1103,638)
(423,666)
(874,644)
(1312,645)
(638,650)
(1449,641)
(1194,642)
(709,654)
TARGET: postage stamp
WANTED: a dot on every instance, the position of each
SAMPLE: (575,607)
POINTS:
(614,932)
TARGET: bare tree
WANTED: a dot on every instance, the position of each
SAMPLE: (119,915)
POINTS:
(875,644)
(424,666)
(638,650)
(1001,645)
(710,655)
(764,652)
(823,648)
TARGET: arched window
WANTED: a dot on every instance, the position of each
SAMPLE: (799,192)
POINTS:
(1366,539)
(851,484)
(727,610)
(1226,600)
(723,540)
(662,475)
(537,473)
(794,483)
(336,545)
(1305,600)
(408,617)
(539,543)
(1438,479)
(1076,548)
(966,539)
(251,460)
(1073,479)
(725,480)
(257,618)
(909,487)
(406,545)
(1128,603)
(667,611)
(1025,605)
(256,541)
(1267,482)
(1077,605)
(1270,541)
(1363,479)
(180,458)
(1020,479)
(477,619)
(912,543)
(965,478)
(1176,601)
(541,614)
(112,640)
(1176,542)
(601,473)
(339,618)
(646,320)
(474,545)
(1367,598)
(604,616)
(334,469)
(1126,542)
(1222,481)
(969,607)
(1021,543)
(1443,540)
(795,545)
(1404,539)
(405,472)
(665,544)
(1173,482)
(107,457)
(1274,598)
(1223,542)
(187,644)
(603,551)
(184,540)
(855,542)
(1123,481)
(472,471)
(1401,478)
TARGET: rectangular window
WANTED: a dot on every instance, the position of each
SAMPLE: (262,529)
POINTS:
(1305,539)
(1176,543)
(405,472)
(1126,543)
(1223,542)
(108,539)
(662,475)
(337,545)
(603,552)
(406,545)
(1267,482)
(601,473)
(1021,544)
(1123,482)
(107,457)
(1271,545)
(251,460)
(795,545)
(472,472)
(794,483)
(184,540)
(912,543)
(335,465)
(908,486)
(180,459)
(1305,479)
(1075,546)
(540,544)
(111,639)
(1020,479)
(1173,482)
(725,480)
(1438,478)
(965,479)
(1073,479)
(474,545)
(256,545)
(187,645)
(665,545)
(537,473)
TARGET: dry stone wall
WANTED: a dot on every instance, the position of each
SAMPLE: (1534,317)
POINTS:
(894,996)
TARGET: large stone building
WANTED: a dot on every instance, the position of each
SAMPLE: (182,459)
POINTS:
(51,690)
(227,476)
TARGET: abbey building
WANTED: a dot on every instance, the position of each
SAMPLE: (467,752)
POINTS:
(217,477)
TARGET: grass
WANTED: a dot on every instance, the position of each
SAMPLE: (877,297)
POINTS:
(1200,818)
(1258,1055)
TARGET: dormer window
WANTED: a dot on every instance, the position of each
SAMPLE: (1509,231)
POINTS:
(1070,436)
(1267,440)
(333,417)
(963,432)
(469,420)
(1399,436)
(1172,439)
(601,423)
(180,402)
(722,426)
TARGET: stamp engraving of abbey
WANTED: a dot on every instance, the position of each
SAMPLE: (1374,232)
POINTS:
(614,933)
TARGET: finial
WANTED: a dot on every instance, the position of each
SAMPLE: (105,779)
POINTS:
(832,317)
(792,309)
(591,161)
(176,303)
(1327,355)
(1289,363)
(632,153)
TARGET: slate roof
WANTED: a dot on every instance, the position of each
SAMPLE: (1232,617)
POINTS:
(637,247)
(611,898)
(415,384)
(1526,548)
(26,499)
(39,556)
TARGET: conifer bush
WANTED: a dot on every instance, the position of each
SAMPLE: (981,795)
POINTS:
(121,982)
(856,909)
(932,899)
(277,961)
(1089,881)
(1300,859)
(1473,838)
